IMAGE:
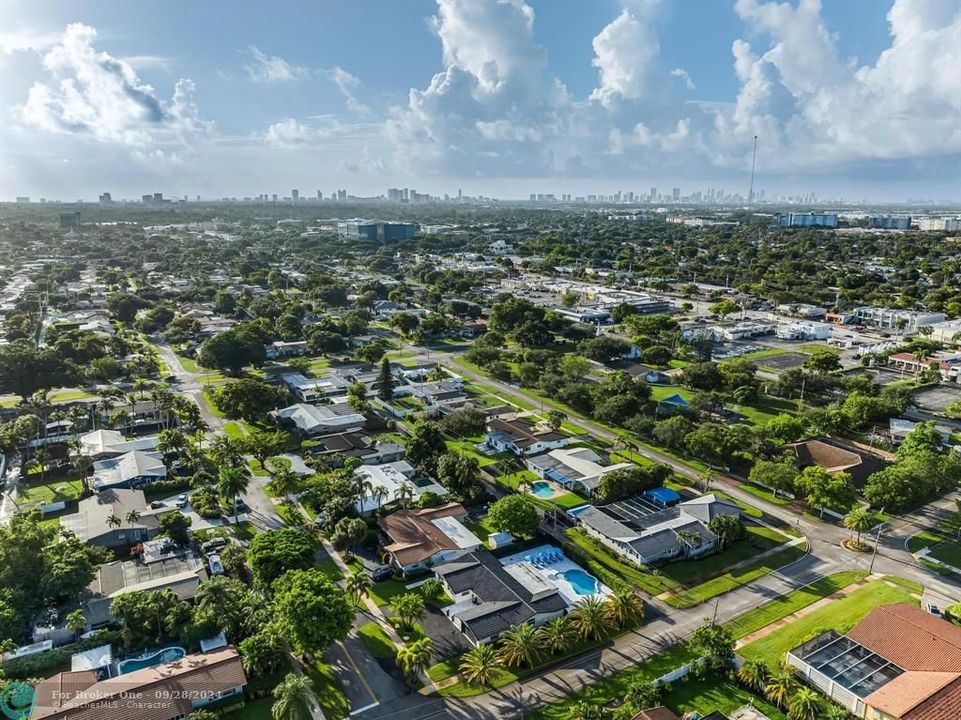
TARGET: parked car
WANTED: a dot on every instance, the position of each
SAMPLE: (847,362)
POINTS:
(182,501)
(157,504)
(382,573)
(216,567)
(934,609)
(213,545)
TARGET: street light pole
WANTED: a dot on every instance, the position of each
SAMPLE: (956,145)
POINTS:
(877,541)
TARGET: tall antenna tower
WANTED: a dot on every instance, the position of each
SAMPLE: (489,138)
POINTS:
(750,194)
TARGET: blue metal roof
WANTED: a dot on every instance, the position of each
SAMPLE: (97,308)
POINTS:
(663,496)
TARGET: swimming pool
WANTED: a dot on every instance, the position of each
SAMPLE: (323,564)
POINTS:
(149,659)
(542,489)
(582,583)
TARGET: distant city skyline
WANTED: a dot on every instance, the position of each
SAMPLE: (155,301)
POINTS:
(501,98)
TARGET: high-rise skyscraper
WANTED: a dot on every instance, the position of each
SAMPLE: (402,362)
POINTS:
(653,194)
(676,194)
(295,194)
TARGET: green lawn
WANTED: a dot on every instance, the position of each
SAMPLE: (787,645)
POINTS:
(329,691)
(329,568)
(33,491)
(253,710)
(189,364)
(209,397)
(70,395)
(781,607)
(921,540)
(376,641)
(382,592)
(710,694)
(734,579)
(949,552)
(840,615)
(757,539)
(466,447)
(234,431)
(764,494)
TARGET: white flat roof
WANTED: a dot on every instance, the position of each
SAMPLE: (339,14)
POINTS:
(457,531)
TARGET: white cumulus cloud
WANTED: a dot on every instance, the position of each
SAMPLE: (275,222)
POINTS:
(94,94)
(266,68)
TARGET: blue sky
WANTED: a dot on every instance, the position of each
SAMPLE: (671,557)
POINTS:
(853,97)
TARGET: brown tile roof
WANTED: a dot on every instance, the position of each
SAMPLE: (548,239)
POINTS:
(908,690)
(658,713)
(910,638)
(414,538)
(522,432)
(155,693)
(835,458)
(945,705)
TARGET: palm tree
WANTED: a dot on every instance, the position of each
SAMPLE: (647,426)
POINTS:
(589,618)
(404,493)
(836,712)
(690,539)
(520,645)
(860,520)
(225,451)
(76,622)
(113,521)
(231,483)
(727,528)
(415,658)
(586,710)
(358,585)
(805,704)
(779,687)
(284,480)
(478,665)
(623,606)
(556,635)
(132,517)
(40,459)
(754,674)
(293,698)
(380,494)
(361,486)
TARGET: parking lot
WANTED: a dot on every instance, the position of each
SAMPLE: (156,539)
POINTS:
(883,376)
(784,361)
(937,398)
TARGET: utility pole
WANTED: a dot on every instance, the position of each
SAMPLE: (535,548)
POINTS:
(877,541)
(750,195)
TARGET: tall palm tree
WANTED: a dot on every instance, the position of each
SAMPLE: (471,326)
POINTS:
(779,687)
(479,665)
(589,618)
(293,698)
(754,674)
(358,585)
(557,634)
(860,520)
(132,517)
(232,481)
(113,521)
(623,606)
(836,712)
(805,704)
(380,494)
(520,645)
(361,486)
(225,451)
(415,658)
(586,710)
(690,539)
(404,493)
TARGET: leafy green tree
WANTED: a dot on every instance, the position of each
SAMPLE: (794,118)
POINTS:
(714,643)
(624,606)
(459,474)
(724,308)
(248,399)
(263,444)
(148,617)
(727,528)
(823,360)
(386,383)
(274,552)
(263,654)
(753,674)
(514,514)
(348,533)
(176,526)
(311,610)
(779,476)
(408,607)
(425,445)
(827,490)
(232,350)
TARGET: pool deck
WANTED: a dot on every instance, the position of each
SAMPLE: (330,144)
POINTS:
(552,574)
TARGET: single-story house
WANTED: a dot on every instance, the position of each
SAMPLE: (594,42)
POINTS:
(488,600)
(645,537)
(521,437)
(311,389)
(100,444)
(161,692)
(281,349)
(423,538)
(386,483)
(334,448)
(579,469)
(835,456)
(898,663)
(320,419)
(92,521)
(130,470)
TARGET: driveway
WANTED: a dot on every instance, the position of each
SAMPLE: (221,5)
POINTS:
(448,641)
(365,682)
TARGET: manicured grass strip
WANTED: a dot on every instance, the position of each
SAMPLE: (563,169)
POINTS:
(764,494)
(466,447)
(715,694)
(949,552)
(234,431)
(382,592)
(329,568)
(735,579)
(781,607)
(329,691)
(909,585)
(35,492)
(377,642)
(840,615)
(921,540)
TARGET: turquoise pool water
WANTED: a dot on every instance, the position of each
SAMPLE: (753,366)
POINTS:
(582,583)
(149,660)
(542,489)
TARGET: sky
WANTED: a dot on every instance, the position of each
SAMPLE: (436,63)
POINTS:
(853,98)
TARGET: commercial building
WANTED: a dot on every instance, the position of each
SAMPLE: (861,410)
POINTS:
(420,539)
(897,319)
(804,331)
(889,222)
(810,219)
(377,230)
(947,331)
(163,692)
(646,533)
(939,223)
(898,663)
